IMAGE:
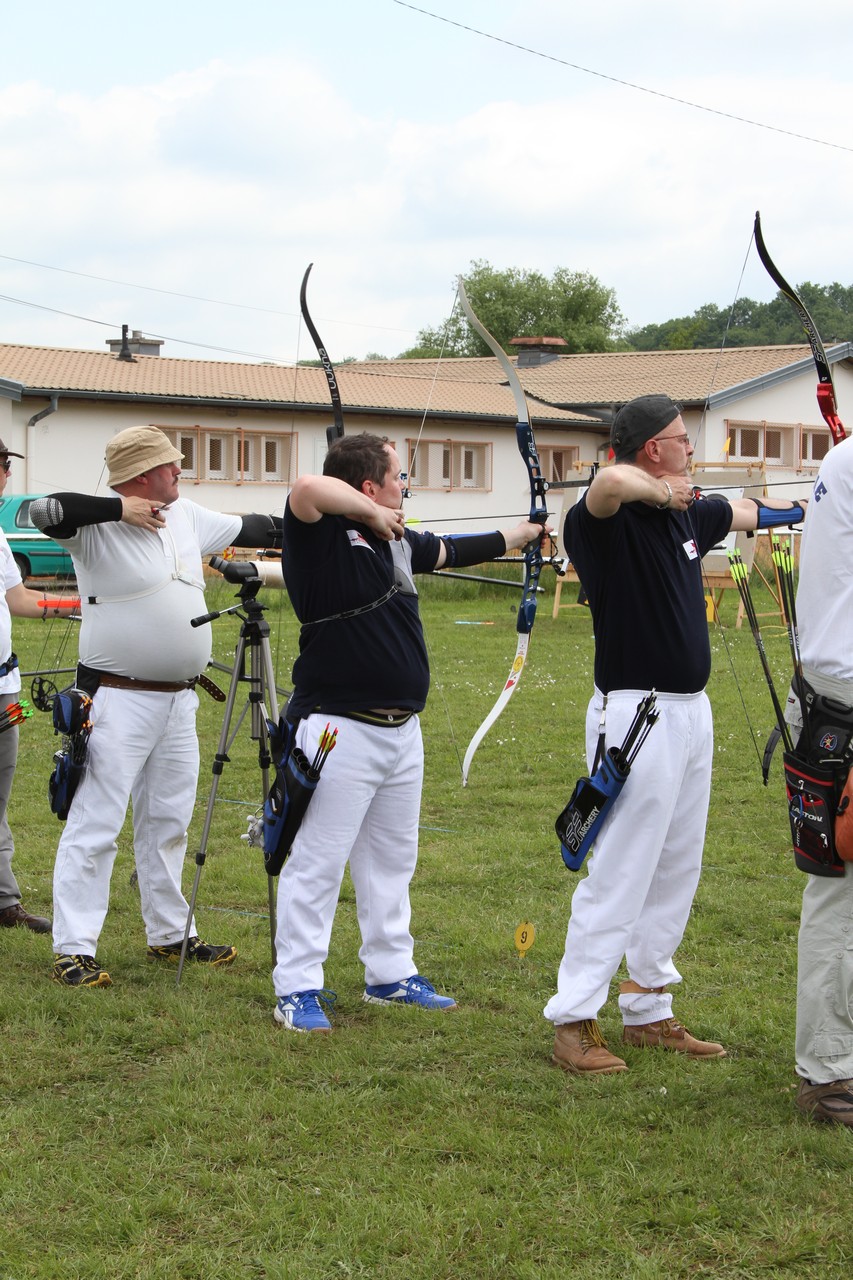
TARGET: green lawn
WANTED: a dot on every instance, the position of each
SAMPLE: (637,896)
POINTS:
(162,1133)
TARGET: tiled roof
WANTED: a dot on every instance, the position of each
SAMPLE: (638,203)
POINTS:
(459,388)
(463,388)
(614,377)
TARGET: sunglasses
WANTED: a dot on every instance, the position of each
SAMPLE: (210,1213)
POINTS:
(6,464)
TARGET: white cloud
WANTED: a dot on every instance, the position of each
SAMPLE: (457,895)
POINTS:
(392,150)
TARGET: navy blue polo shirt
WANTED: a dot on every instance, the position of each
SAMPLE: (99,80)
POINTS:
(642,572)
(378,657)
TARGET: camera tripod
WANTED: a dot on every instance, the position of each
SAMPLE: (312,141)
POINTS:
(261,704)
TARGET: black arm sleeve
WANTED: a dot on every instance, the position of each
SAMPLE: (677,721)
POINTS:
(60,515)
(467,549)
(259,531)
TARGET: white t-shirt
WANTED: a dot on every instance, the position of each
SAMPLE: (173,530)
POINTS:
(147,587)
(825,591)
(10,683)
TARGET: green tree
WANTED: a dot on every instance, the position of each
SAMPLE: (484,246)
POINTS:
(753,324)
(572,305)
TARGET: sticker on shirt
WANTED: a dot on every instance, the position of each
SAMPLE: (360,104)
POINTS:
(690,549)
(357,539)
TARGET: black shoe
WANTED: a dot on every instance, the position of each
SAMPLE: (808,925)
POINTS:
(79,971)
(16,917)
(200,952)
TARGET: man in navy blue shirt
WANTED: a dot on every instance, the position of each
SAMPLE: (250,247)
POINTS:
(636,540)
(349,564)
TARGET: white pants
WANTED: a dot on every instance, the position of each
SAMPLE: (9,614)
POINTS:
(824,1042)
(143,747)
(635,900)
(365,810)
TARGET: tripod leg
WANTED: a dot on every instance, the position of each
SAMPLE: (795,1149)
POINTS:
(271,899)
(264,676)
(263,705)
(219,761)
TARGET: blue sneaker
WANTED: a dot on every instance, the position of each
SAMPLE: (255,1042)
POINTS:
(414,990)
(301,1011)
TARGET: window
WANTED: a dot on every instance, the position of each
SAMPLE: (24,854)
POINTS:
(23,519)
(558,463)
(217,457)
(187,446)
(446,464)
(239,456)
(771,443)
(815,446)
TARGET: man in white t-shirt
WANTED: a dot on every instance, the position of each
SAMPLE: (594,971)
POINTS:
(138,559)
(824,1035)
(15,599)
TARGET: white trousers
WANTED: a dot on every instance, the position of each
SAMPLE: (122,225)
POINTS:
(824,1040)
(143,747)
(643,872)
(365,810)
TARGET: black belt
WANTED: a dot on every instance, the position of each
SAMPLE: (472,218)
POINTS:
(383,719)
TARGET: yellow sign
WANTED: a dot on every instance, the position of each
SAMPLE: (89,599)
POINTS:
(525,936)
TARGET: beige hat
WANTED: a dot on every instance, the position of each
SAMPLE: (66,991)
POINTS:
(136,450)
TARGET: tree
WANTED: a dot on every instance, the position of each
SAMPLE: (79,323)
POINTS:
(572,305)
(753,324)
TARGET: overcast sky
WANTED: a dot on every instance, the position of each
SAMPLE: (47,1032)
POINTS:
(216,149)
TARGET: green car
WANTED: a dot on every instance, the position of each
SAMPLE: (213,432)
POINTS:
(36,555)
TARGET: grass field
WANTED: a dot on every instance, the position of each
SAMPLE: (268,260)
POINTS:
(161,1133)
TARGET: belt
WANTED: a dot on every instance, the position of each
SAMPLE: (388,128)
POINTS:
(110,681)
(383,719)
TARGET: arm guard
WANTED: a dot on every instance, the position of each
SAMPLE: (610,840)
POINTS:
(60,515)
(259,531)
(465,549)
(771,517)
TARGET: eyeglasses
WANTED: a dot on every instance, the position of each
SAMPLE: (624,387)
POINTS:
(6,464)
(684,439)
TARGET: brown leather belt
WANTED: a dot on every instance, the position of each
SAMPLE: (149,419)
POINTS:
(111,681)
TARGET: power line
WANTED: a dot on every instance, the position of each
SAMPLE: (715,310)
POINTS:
(184,342)
(627,84)
(192,297)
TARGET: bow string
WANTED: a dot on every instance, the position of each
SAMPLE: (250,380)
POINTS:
(533,558)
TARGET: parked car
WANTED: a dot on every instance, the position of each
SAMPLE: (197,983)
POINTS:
(36,555)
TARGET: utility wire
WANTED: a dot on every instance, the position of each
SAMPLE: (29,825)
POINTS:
(627,84)
(193,297)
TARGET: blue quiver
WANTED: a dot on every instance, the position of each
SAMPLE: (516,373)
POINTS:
(71,710)
(293,786)
(591,801)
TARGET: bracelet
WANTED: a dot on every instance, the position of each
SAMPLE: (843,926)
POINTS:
(664,506)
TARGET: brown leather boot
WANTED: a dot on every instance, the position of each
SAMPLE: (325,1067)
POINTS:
(580,1047)
(15,917)
(669,1034)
